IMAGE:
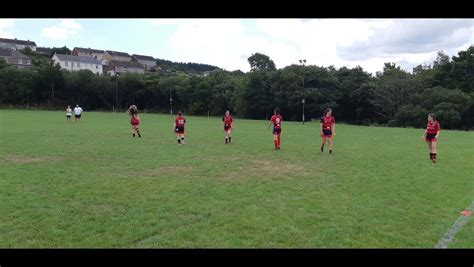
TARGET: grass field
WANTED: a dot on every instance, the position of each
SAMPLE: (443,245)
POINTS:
(93,185)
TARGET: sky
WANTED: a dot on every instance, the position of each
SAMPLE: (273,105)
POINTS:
(227,43)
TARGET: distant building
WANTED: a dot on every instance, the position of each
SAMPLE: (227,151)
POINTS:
(119,67)
(76,63)
(117,56)
(148,62)
(17,44)
(15,58)
(88,52)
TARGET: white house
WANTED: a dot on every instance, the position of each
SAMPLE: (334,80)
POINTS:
(147,61)
(76,63)
(15,58)
(17,44)
(118,67)
(88,52)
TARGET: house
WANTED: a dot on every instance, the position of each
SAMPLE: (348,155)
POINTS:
(148,62)
(15,58)
(118,67)
(88,52)
(17,44)
(117,56)
(43,50)
(76,63)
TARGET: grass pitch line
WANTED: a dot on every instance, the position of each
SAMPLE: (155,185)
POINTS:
(460,222)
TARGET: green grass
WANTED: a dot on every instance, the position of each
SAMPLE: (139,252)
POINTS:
(93,185)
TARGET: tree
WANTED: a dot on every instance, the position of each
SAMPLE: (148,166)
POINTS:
(260,61)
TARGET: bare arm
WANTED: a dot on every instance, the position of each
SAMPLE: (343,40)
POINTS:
(174,126)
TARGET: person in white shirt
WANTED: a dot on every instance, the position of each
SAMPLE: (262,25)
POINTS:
(68,114)
(77,113)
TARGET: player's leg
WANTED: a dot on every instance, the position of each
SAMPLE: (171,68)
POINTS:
(275,140)
(430,149)
(229,134)
(226,135)
(329,138)
(182,138)
(323,141)
(137,129)
(433,150)
(279,139)
(178,137)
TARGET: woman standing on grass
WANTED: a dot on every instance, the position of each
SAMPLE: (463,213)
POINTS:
(276,120)
(178,127)
(431,135)
(135,120)
(228,126)
(68,113)
(327,129)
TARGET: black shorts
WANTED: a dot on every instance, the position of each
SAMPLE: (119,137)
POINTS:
(77,116)
(276,130)
(179,129)
(68,116)
(226,127)
(430,136)
(327,132)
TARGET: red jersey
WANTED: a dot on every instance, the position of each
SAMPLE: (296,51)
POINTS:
(135,120)
(227,120)
(276,119)
(180,121)
(327,122)
(433,127)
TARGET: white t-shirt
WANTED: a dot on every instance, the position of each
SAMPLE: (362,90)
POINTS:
(68,112)
(77,110)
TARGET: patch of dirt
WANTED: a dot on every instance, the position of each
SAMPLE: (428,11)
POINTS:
(28,159)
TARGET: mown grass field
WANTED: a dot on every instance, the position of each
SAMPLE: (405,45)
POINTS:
(93,185)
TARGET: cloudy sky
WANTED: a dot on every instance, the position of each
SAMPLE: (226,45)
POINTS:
(227,43)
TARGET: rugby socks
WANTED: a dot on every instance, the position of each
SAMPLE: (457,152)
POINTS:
(279,141)
(322,149)
(431,155)
(182,140)
(138,132)
(330,151)
(133,134)
(275,142)
(230,139)
(179,141)
(226,140)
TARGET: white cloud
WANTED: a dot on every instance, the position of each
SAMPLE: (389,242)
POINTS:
(65,29)
(370,43)
(70,24)
(4,24)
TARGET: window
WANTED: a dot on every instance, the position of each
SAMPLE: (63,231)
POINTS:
(20,61)
(67,63)
(78,65)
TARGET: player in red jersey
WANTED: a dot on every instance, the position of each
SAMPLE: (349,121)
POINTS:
(135,120)
(228,124)
(178,127)
(276,120)
(431,135)
(327,129)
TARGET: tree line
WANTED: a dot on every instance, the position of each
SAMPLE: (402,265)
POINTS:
(393,97)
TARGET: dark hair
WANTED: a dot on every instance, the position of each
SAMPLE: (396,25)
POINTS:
(134,111)
(180,113)
(326,111)
(432,115)
(277,111)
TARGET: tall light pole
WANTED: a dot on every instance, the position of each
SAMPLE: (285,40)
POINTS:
(116,91)
(171,103)
(303,61)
